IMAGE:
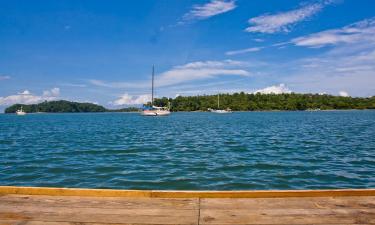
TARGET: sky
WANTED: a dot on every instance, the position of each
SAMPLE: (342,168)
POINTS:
(103,51)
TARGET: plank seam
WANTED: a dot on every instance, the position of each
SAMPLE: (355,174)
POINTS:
(199,210)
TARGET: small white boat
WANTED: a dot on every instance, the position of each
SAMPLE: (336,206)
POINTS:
(155,110)
(20,112)
(220,111)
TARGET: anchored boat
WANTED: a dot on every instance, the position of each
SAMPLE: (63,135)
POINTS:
(20,112)
(218,110)
(155,110)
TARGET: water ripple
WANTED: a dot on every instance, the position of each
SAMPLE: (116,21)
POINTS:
(254,150)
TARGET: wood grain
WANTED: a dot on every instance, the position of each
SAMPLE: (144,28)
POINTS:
(183,194)
(97,208)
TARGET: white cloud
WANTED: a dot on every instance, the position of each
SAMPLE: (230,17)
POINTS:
(258,40)
(189,72)
(127,99)
(73,85)
(343,94)
(212,8)
(283,21)
(102,83)
(54,92)
(26,97)
(347,65)
(25,92)
(362,31)
(4,77)
(201,70)
(343,68)
(242,51)
(276,89)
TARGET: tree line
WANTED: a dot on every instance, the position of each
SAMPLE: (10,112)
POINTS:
(63,106)
(251,102)
(57,107)
(237,102)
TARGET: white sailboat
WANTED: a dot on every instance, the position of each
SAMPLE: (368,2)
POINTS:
(155,110)
(218,110)
(20,112)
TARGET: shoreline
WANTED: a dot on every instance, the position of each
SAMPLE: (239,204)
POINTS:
(322,110)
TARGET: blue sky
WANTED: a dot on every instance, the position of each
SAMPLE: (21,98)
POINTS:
(103,51)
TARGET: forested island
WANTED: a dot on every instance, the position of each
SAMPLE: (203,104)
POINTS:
(237,102)
(251,102)
(63,106)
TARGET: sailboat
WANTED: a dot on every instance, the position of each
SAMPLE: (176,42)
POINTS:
(155,110)
(218,110)
(20,112)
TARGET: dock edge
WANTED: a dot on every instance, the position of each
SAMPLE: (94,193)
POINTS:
(183,194)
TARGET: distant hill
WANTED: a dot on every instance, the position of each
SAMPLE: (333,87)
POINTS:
(64,106)
(57,107)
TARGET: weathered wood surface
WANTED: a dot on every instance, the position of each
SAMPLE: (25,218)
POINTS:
(76,210)
(183,194)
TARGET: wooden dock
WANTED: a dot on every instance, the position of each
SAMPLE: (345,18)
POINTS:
(60,206)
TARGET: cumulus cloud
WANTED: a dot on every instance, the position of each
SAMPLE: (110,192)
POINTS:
(343,94)
(26,97)
(54,92)
(283,21)
(242,51)
(276,89)
(212,8)
(362,31)
(350,68)
(127,99)
(4,77)
(25,92)
(347,65)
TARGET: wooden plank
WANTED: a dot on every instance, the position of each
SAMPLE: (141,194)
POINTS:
(99,202)
(263,194)
(94,215)
(356,202)
(14,222)
(99,210)
(183,194)
(286,216)
(18,222)
(309,210)
(346,207)
(72,192)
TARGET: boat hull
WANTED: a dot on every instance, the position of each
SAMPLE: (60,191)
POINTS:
(221,111)
(155,113)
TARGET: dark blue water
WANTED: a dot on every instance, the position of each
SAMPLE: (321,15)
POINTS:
(252,150)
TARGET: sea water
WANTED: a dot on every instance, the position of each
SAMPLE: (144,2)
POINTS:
(195,151)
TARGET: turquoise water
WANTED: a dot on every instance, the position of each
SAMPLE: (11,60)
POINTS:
(249,150)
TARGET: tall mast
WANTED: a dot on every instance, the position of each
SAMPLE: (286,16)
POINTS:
(152,94)
(218,101)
